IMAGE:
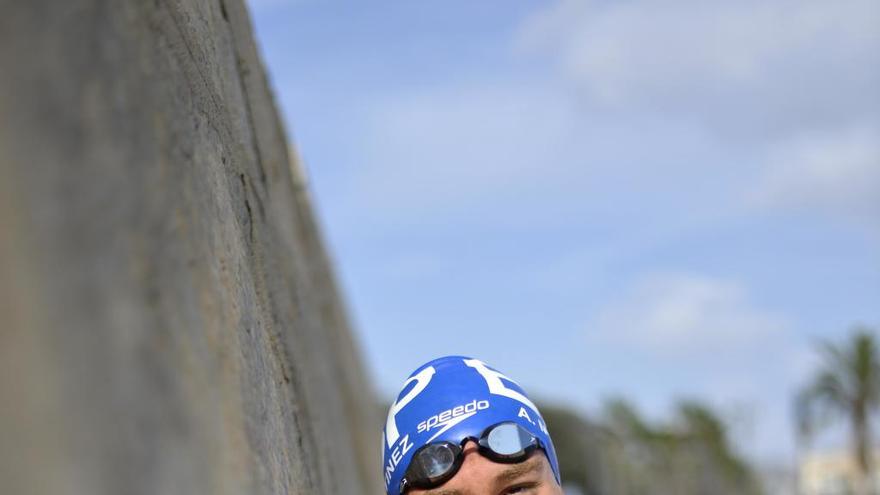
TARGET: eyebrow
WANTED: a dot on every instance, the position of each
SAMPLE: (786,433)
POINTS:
(517,470)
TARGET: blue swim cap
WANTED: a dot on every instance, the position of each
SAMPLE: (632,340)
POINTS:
(450,399)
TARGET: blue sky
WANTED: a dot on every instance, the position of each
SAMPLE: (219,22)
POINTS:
(600,198)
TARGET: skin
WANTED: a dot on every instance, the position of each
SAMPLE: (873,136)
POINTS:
(480,476)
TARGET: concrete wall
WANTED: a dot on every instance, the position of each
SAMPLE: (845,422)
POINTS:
(169,322)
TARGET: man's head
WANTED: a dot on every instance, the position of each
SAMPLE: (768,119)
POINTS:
(459,427)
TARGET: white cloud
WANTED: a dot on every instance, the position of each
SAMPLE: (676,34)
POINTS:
(676,315)
(479,151)
(792,84)
(452,146)
(837,170)
(768,69)
(751,67)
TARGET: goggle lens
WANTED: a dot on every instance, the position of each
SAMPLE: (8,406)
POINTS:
(434,460)
(509,439)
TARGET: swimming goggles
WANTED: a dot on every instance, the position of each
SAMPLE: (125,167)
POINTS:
(436,463)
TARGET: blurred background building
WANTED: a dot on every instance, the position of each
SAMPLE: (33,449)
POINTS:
(833,473)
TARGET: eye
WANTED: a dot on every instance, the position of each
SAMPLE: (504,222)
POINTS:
(522,489)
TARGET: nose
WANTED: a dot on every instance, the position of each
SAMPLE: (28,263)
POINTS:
(469,448)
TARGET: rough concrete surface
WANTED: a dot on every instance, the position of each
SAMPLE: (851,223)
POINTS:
(169,322)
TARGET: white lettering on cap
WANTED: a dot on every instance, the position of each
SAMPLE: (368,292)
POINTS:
(496,386)
(422,378)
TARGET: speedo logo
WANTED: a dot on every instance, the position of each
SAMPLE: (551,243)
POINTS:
(447,416)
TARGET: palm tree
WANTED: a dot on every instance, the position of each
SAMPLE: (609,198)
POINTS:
(725,468)
(848,384)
